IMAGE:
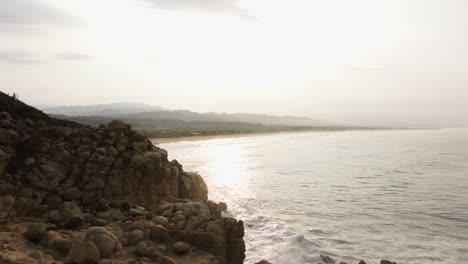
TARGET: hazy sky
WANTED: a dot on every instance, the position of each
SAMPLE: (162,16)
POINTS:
(341,60)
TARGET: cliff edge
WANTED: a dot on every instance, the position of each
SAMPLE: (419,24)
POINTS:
(71,193)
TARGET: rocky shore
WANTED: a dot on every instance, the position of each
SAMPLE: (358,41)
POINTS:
(70,193)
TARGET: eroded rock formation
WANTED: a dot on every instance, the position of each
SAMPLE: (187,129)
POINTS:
(76,194)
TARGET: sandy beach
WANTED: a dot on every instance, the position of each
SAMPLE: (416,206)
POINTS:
(208,137)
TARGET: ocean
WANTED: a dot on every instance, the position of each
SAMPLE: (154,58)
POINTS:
(400,195)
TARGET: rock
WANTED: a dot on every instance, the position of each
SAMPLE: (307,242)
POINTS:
(178,218)
(118,124)
(29,162)
(83,252)
(362,262)
(100,222)
(327,259)
(168,213)
(153,252)
(68,215)
(53,202)
(36,231)
(384,261)
(159,233)
(181,248)
(135,212)
(196,221)
(141,249)
(167,260)
(195,208)
(160,220)
(262,262)
(61,244)
(222,206)
(216,227)
(72,194)
(105,241)
(135,237)
(36,254)
(6,207)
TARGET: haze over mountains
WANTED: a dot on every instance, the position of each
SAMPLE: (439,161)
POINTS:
(131,111)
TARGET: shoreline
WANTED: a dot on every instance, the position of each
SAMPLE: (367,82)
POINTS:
(167,140)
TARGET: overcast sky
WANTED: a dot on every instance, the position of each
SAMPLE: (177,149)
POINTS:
(340,60)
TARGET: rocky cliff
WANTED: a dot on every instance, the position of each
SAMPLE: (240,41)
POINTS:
(76,194)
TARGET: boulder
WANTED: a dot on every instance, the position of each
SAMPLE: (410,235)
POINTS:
(83,252)
(36,231)
(60,243)
(262,262)
(107,243)
(159,233)
(167,260)
(181,248)
(196,221)
(384,261)
(135,237)
(67,215)
(160,220)
(196,208)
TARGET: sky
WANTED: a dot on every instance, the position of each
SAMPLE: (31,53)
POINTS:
(354,61)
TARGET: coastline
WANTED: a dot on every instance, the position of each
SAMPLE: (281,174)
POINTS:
(209,137)
(165,140)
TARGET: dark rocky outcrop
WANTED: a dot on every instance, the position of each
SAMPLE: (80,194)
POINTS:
(82,195)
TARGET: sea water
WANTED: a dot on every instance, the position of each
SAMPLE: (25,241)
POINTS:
(390,194)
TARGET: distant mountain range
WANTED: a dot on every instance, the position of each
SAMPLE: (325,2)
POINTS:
(102,109)
(130,111)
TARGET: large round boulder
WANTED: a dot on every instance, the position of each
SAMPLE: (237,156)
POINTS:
(195,208)
(107,243)
(83,252)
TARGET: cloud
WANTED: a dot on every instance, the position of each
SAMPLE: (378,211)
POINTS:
(73,56)
(33,12)
(206,6)
(20,57)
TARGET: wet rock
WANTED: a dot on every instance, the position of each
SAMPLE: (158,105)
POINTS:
(262,262)
(105,241)
(384,261)
(362,262)
(36,231)
(83,252)
(327,259)
(181,248)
